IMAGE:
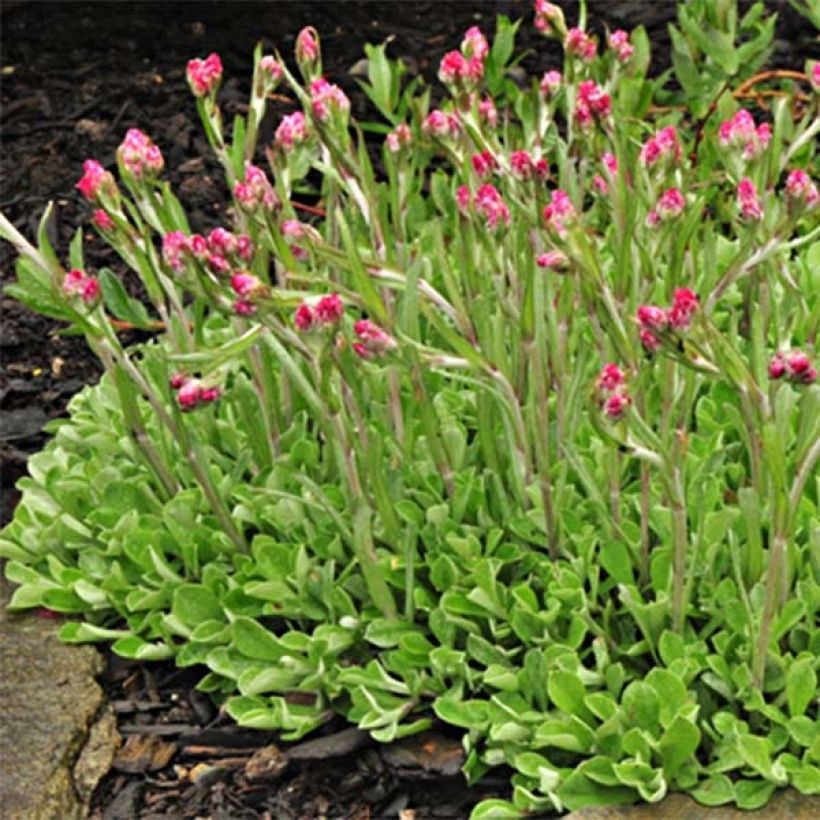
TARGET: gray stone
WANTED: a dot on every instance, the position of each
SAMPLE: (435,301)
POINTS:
(57,734)
(784,805)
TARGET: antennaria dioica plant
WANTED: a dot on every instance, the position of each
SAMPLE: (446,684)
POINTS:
(518,431)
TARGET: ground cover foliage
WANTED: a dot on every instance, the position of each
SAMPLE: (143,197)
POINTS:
(513,427)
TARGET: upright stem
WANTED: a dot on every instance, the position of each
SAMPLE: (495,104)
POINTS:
(776,556)
(680,543)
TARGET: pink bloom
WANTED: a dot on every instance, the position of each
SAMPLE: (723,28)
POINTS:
(463,198)
(400,137)
(592,101)
(102,220)
(798,363)
(242,307)
(663,146)
(452,68)
(800,188)
(372,340)
(218,264)
(559,212)
(244,247)
(294,229)
(304,318)
(95,180)
(189,395)
(221,242)
(521,164)
(600,185)
(177,380)
(616,405)
(307,46)
(484,163)
(550,84)
(139,155)
(174,245)
(327,99)
(610,163)
(204,75)
(490,203)
(329,309)
(254,191)
(684,306)
(814,78)
(245,284)
(199,246)
(650,342)
(487,112)
(579,44)
(475,45)
(651,317)
(777,367)
(619,43)
(552,260)
(796,366)
(670,204)
(209,394)
(740,133)
(548,18)
(542,168)
(271,69)
(748,201)
(292,131)
(77,283)
(441,125)
(611,378)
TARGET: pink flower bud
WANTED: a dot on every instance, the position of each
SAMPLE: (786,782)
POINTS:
(616,405)
(210,394)
(441,125)
(90,292)
(664,146)
(814,78)
(95,181)
(474,44)
(484,163)
(650,342)
(255,191)
(189,395)
(610,163)
(329,309)
(600,184)
(204,75)
(244,247)
(218,264)
(245,284)
(327,99)
(292,131)
(579,44)
(592,102)
(221,242)
(489,202)
(199,247)
(294,229)
(174,245)
(487,112)
(77,284)
(559,212)
(801,190)
(463,199)
(304,318)
(102,220)
(611,378)
(798,363)
(271,69)
(521,164)
(177,380)
(552,260)
(400,137)
(670,204)
(740,133)
(550,84)
(307,47)
(777,367)
(139,155)
(651,317)
(549,18)
(241,307)
(619,43)
(372,340)
(748,201)
(452,68)
(685,304)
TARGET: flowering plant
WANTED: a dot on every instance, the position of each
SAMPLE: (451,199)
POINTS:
(518,432)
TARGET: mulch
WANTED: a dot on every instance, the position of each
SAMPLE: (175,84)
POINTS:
(75,76)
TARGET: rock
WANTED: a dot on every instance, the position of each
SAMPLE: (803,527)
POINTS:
(784,805)
(57,735)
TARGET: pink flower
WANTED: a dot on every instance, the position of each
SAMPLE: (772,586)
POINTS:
(475,45)
(244,247)
(487,112)
(95,180)
(102,220)
(204,75)
(748,201)
(600,185)
(548,18)
(664,146)
(304,318)
(241,307)
(795,366)
(441,125)
(550,84)
(552,260)
(199,247)
(670,204)
(452,67)
(484,163)
(800,189)
(650,342)
(327,99)
(271,69)
(400,137)
(619,43)
(329,309)
(616,405)
(611,378)
(463,199)
(651,317)
(294,229)
(245,284)
(254,191)
(307,46)
(559,212)
(177,380)
(777,367)
(489,202)
(372,341)
(210,394)
(139,155)
(814,78)
(592,101)
(684,306)
(174,245)
(77,283)
(221,242)
(292,131)
(579,44)
(189,395)
(740,133)
(521,164)
(610,163)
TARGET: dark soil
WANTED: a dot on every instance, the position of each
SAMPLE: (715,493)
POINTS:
(75,76)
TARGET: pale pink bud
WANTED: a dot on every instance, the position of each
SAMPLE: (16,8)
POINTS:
(204,75)
(463,198)
(307,46)
(441,125)
(244,247)
(199,247)
(77,283)
(559,212)
(329,309)
(610,163)
(221,242)
(777,367)
(102,220)
(189,395)
(619,43)
(139,155)
(271,69)
(400,137)
(489,202)
(600,185)
(487,112)
(748,201)
(210,394)
(95,180)
(177,380)
(174,245)
(245,284)
(242,307)
(671,204)
(579,44)
(484,163)
(452,68)
(304,318)
(651,317)
(372,340)
(741,133)
(549,18)
(474,44)
(255,191)
(663,146)
(616,405)
(552,260)
(650,342)
(800,189)
(292,131)
(550,84)
(611,378)
(327,99)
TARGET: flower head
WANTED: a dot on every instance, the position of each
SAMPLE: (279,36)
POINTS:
(740,132)
(304,318)
(616,405)
(292,131)
(559,212)
(372,342)
(139,155)
(329,309)
(484,163)
(552,260)
(78,284)
(102,220)
(748,201)
(619,43)
(663,147)
(95,181)
(327,99)
(800,190)
(174,245)
(487,112)
(205,75)
(272,71)
(254,191)
(489,202)
(441,125)
(549,19)
(795,366)
(611,378)
(579,44)
(400,137)
(550,84)
(307,49)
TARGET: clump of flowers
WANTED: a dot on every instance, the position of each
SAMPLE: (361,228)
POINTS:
(795,367)
(204,76)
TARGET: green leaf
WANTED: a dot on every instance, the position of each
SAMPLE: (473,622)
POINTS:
(616,560)
(468,714)
(578,792)
(753,794)
(801,686)
(716,790)
(495,809)
(120,303)
(678,745)
(567,692)
(194,603)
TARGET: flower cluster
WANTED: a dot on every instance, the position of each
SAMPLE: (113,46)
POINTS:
(96,181)
(670,204)
(326,312)
(550,84)
(373,342)
(800,190)
(204,75)
(552,260)
(291,132)
(441,125)
(524,166)
(102,220)
(620,45)
(796,367)
(400,137)
(248,289)
(579,44)
(549,19)
(307,48)
(559,212)
(78,284)
(655,321)
(220,251)
(139,155)
(592,103)
(254,191)
(661,148)
(193,393)
(463,69)
(748,201)
(740,132)
(487,201)
(327,99)
(272,71)
(612,391)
